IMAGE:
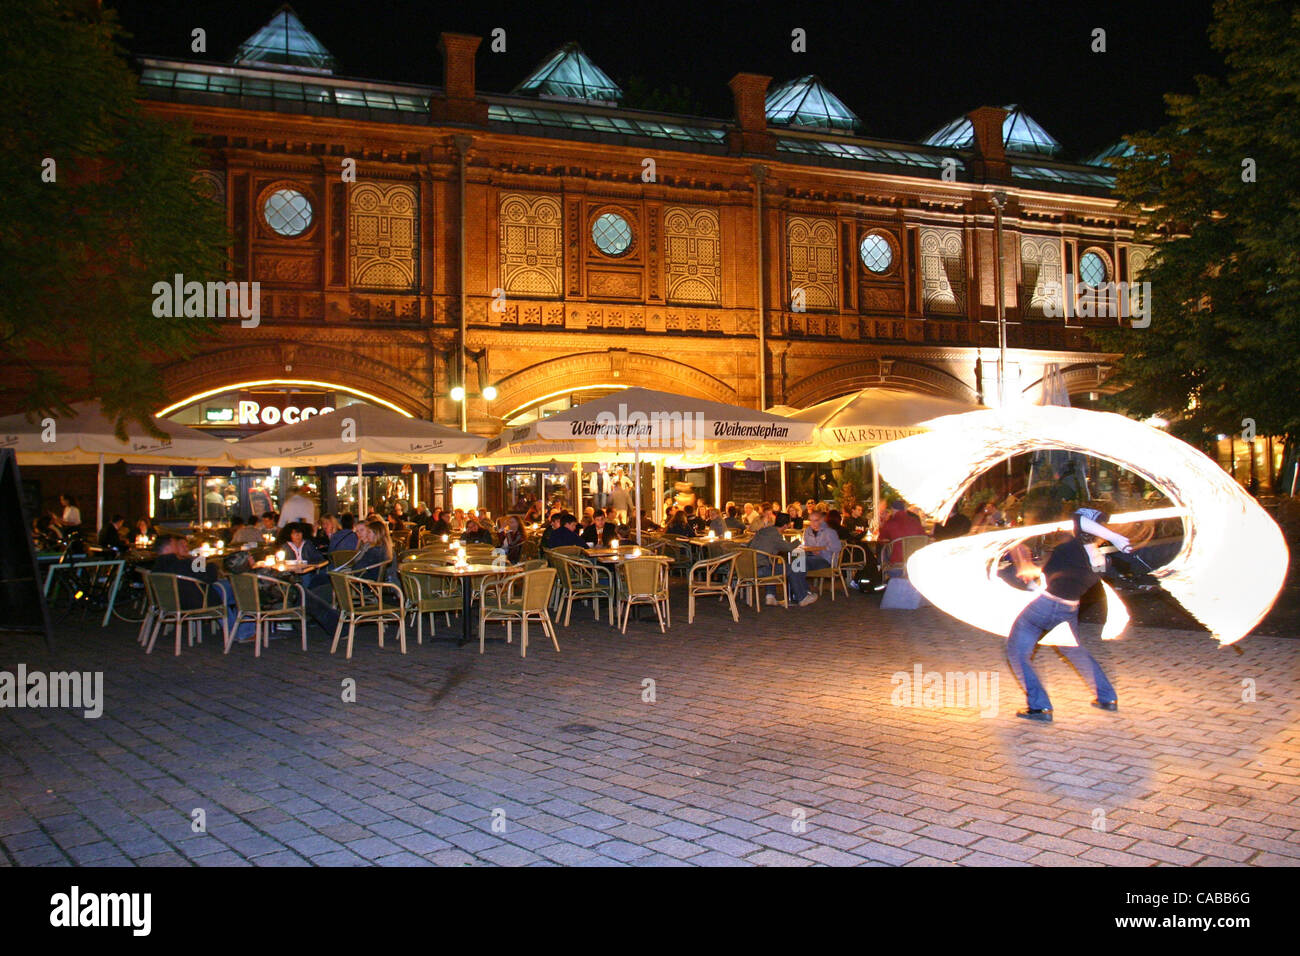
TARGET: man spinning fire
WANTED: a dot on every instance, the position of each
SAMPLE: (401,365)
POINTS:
(1074,567)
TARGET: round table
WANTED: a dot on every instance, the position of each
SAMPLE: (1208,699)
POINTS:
(467,574)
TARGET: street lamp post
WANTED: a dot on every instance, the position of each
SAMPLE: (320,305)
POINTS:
(999,200)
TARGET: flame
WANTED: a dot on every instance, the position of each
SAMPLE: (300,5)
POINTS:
(1228,573)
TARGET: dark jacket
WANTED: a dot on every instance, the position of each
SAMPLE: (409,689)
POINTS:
(564,538)
(190,595)
(589,534)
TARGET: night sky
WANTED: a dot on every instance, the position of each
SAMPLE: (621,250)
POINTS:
(905,67)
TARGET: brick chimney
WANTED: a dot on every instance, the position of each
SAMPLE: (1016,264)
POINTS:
(459,102)
(751,135)
(990,152)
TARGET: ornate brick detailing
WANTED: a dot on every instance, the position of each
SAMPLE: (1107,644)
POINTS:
(1040,264)
(1138,257)
(212,184)
(943,271)
(532,242)
(290,270)
(573,240)
(692,239)
(814,260)
(382,230)
(338,252)
(614,285)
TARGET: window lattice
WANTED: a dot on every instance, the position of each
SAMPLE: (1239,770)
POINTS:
(382,248)
(532,245)
(943,271)
(694,255)
(1040,264)
(814,262)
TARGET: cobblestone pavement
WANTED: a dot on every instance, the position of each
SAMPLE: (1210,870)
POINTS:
(773,741)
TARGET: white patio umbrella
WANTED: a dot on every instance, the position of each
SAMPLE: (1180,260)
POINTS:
(641,423)
(358,433)
(87,437)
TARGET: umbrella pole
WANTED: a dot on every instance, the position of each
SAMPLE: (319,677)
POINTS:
(658,503)
(99,499)
(717,484)
(636,456)
(361,493)
(875,490)
(784,503)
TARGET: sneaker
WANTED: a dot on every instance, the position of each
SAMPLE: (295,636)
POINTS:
(808,598)
(771,601)
(1106,704)
(1029,714)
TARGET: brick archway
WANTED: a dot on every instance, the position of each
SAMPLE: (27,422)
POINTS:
(854,376)
(609,368)
(225,368)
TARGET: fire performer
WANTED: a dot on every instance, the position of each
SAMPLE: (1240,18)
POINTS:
(1074,567)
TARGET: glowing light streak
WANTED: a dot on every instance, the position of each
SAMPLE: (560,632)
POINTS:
(1227,574)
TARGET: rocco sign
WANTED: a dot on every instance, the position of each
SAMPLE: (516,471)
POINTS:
(257,414)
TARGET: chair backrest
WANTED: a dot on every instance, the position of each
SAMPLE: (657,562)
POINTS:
(537,588)
(342,556)
(568,551)
(643,575)
(166,588)
(853,555)
(536,564)
(342,593)
(247,595)
(912,544)
(746,562)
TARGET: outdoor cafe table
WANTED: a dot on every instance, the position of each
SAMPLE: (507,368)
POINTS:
(467,574)
(616,556)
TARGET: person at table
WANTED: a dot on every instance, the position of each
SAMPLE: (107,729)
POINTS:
(835,521)
(795,513)
(69,517)
(456,523)
(173,557)
(769,540)
(553,524)
(648,523)
(45,534)
(718,524)
(301,550)
(856,526)
(901,523)
(821,544)
(300,507)
(242,534)
(588,516)
(420,519)
(345,538)
(732,520)
(110,536)
(324,531)
(438,523)
(377,550)
(512,539)
(397,519)
(534,514)
(567,534)
(475,533)
(755,521)
(678,525)
(601,532)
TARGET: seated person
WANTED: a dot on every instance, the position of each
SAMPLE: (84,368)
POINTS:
(45,534)
(173,557)
(769,540)
(552,525)
(956,526)
(110,536)
(732,521)
(601,532)
(821,544)
(795,511)
(299,548)
(678,524)
(697,524)
(242,534)
(345,538)
(474,534)
(648,523)
(901,523)
(717,524)
(328,525)
(512,539)
(567,534)
(856,526)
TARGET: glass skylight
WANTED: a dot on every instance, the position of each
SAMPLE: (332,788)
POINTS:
(285,42)
(1020,134)
(805,102)
(568,73)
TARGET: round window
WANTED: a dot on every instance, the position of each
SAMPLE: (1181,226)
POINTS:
(1092,269)
(611,234)
(876,253)
(288,212)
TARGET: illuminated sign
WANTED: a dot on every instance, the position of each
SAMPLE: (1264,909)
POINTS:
(218,415)
(257,413)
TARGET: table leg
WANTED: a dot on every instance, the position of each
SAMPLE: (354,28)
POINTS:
(466,605)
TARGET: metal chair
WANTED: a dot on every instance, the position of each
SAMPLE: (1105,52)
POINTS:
(909,546)
(429,593)
(718,576)
(521,597)
(250,605)
(644,581)
(166,588)
(362,601)
(853,558)
(750,580)
(834,573)
(580,581)
(342,556)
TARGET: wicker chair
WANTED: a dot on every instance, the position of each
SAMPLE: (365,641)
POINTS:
(834,573)
(853,558)
(521,597)
(909,545)
(715,576)
(752,582)
(166,588)
(581,581)
(342,556)
(252,606)
(429,593)
(644,581)
(361,601)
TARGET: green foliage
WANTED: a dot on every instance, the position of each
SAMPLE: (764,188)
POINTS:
(81,253)
(1224,339)
(638,94)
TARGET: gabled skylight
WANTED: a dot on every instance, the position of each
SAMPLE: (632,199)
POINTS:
(1113,151)
(569,74)
(285,43)
(805,103)
(1020,134)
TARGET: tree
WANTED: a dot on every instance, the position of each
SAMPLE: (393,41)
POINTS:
(99,203)
(640,94)
(1218,193)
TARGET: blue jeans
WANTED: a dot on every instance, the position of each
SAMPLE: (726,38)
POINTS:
(1034,622)
(246,630)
